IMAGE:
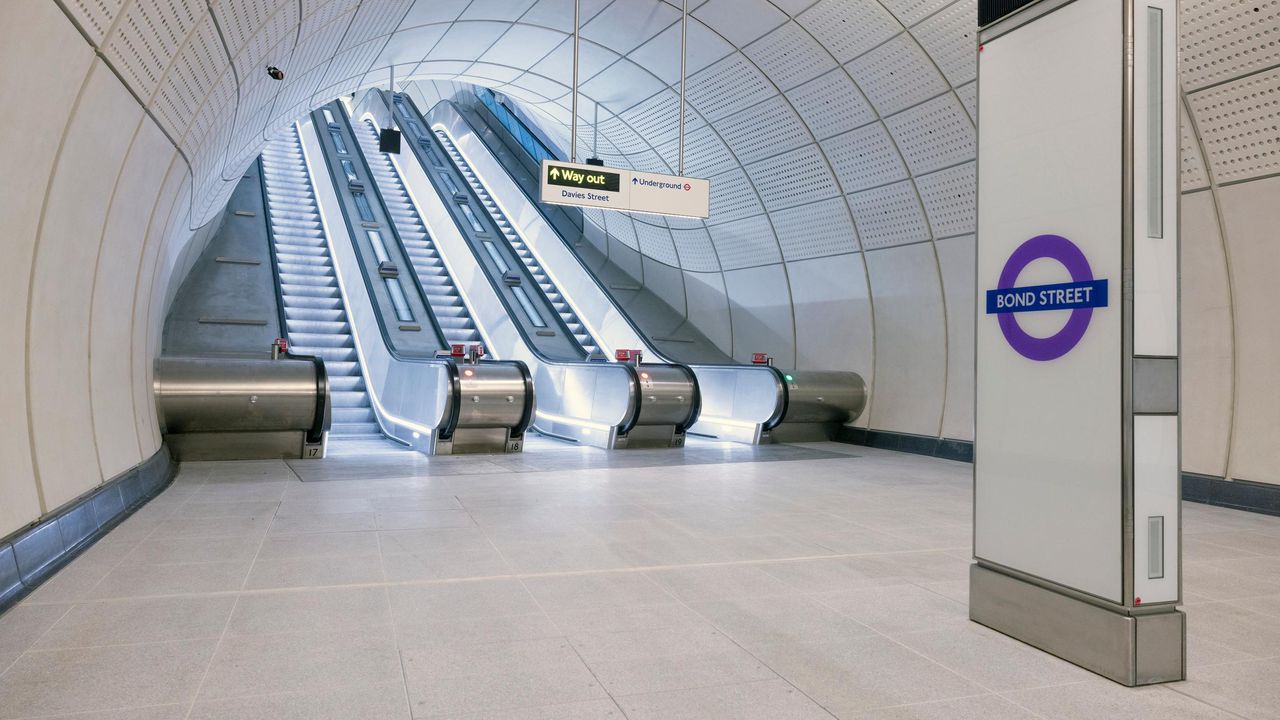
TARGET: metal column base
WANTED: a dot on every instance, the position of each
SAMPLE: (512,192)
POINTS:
(1129,649)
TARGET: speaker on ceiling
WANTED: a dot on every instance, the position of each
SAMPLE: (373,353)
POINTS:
(389,141)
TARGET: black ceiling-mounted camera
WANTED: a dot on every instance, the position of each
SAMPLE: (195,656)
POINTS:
(275,72)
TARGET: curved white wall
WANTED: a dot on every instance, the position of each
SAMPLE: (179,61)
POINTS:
(838,134)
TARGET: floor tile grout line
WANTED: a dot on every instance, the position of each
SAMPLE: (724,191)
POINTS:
(908,648)
(226,626)
(395,631)
(757,658)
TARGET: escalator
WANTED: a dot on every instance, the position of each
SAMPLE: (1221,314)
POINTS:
(412,328)
(315,317)
(509,233)
(519,305)
(747,403)
(442,295)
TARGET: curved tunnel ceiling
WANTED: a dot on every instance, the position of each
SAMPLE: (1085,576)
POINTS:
(827,126)
(839,136)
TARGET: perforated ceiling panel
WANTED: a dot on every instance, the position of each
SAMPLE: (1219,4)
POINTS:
(934,134)
(864,158)
(745,243)
(848,29)
(1239,123)
(742,130)
(188,84)
(816,230)
(729,86)
(897,75)
(1222,39)
(950,200)
(790,56)
(732,197)
(950,38)
(95,16)
(831,104)
(148,37)
(795,178)
(911,12)
(704,153)
(888,216)
(1194,176)
(969,96)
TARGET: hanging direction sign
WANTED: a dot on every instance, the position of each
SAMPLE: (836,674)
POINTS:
(626,190)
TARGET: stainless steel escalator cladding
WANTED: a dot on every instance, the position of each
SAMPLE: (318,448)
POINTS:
(494,404)
(215,408)
(761,403)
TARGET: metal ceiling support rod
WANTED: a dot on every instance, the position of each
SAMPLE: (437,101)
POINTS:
(573,130)
(684,43)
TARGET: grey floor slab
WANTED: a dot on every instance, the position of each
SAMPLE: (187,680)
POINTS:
(816,581)
(490,677)
(301,662)
(45,682)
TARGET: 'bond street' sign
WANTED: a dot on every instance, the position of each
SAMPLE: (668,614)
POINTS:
(1079,296)
(627,190)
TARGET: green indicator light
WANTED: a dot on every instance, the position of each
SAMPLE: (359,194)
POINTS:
(789,378)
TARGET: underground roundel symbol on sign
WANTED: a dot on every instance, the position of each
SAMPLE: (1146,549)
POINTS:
(1080,296)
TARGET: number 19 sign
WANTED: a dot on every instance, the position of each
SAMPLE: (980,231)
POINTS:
(626,190)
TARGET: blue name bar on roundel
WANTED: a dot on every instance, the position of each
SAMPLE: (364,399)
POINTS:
(1037,298)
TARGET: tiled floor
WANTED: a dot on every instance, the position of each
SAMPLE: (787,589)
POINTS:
(577,584)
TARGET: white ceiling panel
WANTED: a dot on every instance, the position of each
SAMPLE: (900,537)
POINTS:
(433,11)
(1194,175)
(522,45)
(558,14)
(375,20)
(831,104)
(897,75)
(743,130)
(625,25)
(411,45)
(740,21)
(1222,39)
(849,29)
(466,40)
(505,10)
(732,197)
(147,39)
(910,12)
(950,200)
(888,216)
(705,154)
(934,134)
(621,85)
(661,54)
(1239,123)
(745,243)
(729,86)
(795,178)
(817,230)
(865,158)
(951,39)
(558,65)
(790,56)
